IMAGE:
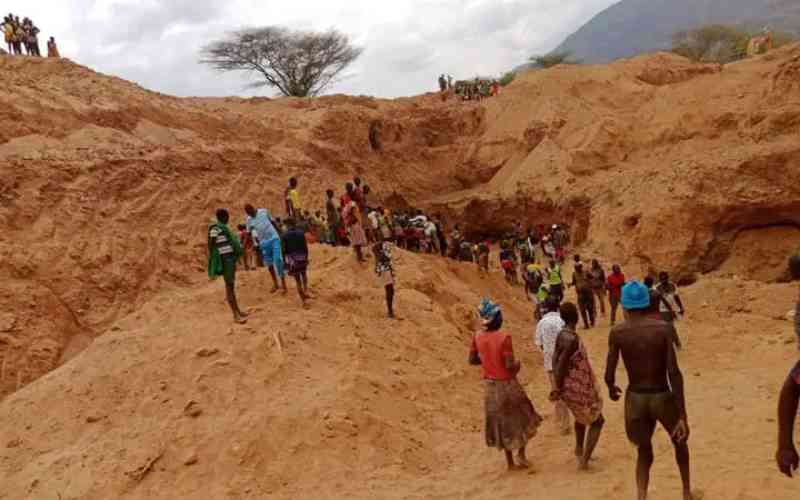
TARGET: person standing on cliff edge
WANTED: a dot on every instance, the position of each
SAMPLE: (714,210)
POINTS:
(786,456)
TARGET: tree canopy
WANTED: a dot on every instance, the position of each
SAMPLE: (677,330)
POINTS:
(296,63)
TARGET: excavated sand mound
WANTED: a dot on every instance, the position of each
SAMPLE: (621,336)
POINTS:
(123,377)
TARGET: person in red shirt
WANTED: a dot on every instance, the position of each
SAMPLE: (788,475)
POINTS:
(614,284)
(511,419)
(246,239)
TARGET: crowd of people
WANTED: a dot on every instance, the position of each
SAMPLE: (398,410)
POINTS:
(22,37)
(646,338)
(655,393)
(468,90)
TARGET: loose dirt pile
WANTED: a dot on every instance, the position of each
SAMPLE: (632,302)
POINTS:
(106,191)
(175,402)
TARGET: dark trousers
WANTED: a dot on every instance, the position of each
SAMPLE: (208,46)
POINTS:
(614,301)
(586,306)
(557,291)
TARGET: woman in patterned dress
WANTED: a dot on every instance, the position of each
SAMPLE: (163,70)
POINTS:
(576,386)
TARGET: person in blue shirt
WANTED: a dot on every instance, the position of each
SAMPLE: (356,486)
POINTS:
(260,222)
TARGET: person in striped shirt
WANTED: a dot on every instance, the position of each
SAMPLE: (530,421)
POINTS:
(224,250)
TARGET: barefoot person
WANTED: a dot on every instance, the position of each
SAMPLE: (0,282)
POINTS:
(576,386)
(511,420)
(655,391)
(383,268)
(223,252)
(547,332)
(261,223)
(787,458)
(296,248)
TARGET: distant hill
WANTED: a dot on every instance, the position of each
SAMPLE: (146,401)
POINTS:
(632,27)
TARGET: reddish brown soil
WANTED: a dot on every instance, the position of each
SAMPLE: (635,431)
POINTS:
(106,189)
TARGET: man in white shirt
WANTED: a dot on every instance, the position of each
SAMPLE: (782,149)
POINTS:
(432,236)
(547,332)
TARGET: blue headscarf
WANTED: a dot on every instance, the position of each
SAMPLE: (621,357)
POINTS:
(488,309)
(491,315)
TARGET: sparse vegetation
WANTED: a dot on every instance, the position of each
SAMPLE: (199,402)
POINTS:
(554,59)
(719,43)
(507,78)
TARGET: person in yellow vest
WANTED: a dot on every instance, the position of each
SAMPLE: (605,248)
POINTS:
(293,206)
(555,281)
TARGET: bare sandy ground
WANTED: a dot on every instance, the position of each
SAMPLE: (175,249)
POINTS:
(338,402)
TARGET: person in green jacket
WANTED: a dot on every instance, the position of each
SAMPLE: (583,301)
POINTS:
(224,250)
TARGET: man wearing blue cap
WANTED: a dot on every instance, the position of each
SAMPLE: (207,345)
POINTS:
(655,394)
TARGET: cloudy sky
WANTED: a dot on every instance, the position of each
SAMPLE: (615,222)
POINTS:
(407,43)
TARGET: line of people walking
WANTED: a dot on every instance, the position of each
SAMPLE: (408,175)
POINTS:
(646,339)
(655,394)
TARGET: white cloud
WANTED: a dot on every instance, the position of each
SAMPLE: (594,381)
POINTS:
(408,42)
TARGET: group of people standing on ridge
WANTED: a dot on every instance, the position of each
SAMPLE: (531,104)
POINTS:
(468,90)
(24,34)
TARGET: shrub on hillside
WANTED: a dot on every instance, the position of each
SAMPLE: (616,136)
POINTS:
(554,59)
(719,43)
(507,78)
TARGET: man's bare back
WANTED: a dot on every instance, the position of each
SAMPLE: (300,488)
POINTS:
(644,344)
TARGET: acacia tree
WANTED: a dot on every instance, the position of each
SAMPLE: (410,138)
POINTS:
(297,63)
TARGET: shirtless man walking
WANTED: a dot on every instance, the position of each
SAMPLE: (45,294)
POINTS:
(655,394)
(787,457)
